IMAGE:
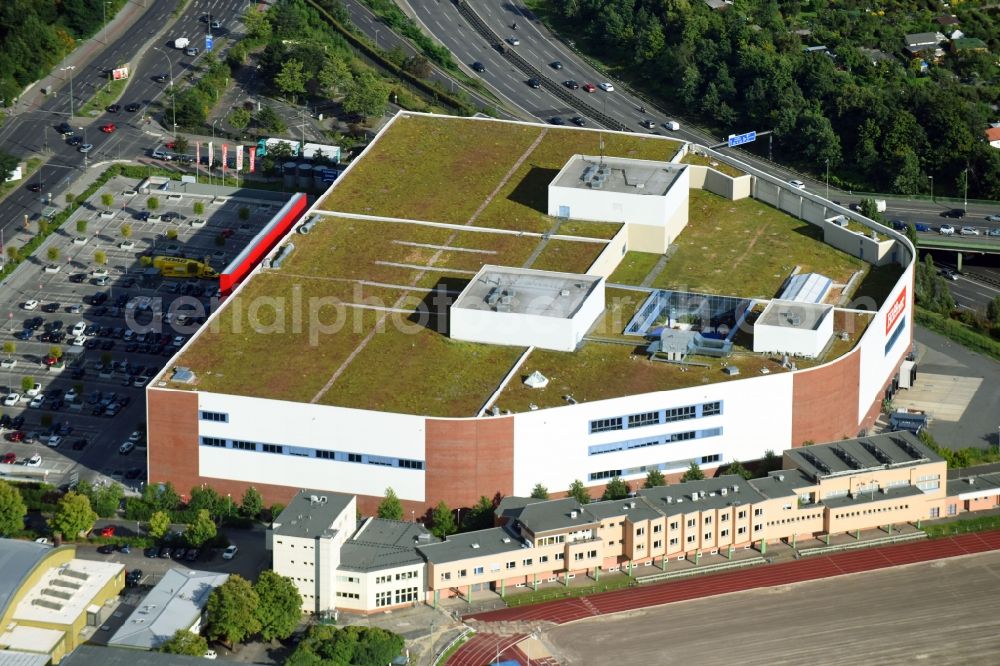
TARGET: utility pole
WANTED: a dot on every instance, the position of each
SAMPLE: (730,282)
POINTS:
(827,178)
(70,68)
(965,196)
(931,178)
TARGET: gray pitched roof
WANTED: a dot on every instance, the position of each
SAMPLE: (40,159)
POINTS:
(383,544)
(976,483)
(782,483)
(893,449)
(556,515)
(310,514)
(493,541)
(175,603)
(707,494)
(17,560)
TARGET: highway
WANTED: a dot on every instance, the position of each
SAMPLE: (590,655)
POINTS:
(33,132)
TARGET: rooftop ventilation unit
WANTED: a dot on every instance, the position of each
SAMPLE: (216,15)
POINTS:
(631,505)
(780,477)
(475,545)
(736,488)
(307,226)
(506,539)
(573,513)
(724,491)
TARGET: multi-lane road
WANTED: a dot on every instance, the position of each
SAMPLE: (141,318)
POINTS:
(145,45)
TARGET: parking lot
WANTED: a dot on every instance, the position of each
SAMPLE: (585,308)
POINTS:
(92,318)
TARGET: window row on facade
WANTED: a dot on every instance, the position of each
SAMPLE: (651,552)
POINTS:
(303,452)
(628,445)
(645,469)
(656,417)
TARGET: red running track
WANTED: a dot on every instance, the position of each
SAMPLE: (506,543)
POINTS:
(482,649)
(810,568)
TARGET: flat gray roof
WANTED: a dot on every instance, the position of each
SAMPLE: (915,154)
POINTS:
(384,544)
(175,603)
(88,655)
(974,483)
(526,291)
(15,658)
(893,449)
(619,174)
(717,493)
(310,514)
(494,541)
(877,496)
(17,560)
(793,314)
(782,483)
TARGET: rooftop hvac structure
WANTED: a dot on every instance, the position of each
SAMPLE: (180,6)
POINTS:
(527,308)
(791,327)
(806,288)
(651,197)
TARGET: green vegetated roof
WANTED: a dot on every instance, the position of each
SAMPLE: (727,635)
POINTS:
(351,318)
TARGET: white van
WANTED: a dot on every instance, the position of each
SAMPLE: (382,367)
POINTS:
(672,125)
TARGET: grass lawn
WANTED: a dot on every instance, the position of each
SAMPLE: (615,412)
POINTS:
(522,203)
(747,248)
(104,96)
(589,229)
(721,167)
(432,169)
(232,357)
(567,256)
(634,268)
(600,371)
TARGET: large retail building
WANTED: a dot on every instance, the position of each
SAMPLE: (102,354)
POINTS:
(477,306)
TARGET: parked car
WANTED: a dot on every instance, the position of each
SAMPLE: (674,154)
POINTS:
(993,232)
(230,552)
(30,304)
(108,531)
(106,549)
(34,461)
(151,552)
(9,458)
(126,447)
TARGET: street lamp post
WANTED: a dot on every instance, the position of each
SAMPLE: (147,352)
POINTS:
(211,166)
(376,36)
(173,97)
(70,68)
(931,178)
(86,155)
(965,192)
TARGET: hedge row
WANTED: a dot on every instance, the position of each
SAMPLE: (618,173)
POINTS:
(958,332)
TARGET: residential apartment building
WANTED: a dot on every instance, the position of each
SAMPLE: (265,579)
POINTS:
(339,562)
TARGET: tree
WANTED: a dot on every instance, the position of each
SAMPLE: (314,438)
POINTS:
(105,499)
(56,352)
(81,226)
(993,311)
(172,234)
(443,521)
(911,234)
(159,523)
(12,510)
(126,231)
(279,605)
(181,144)
(185,642)
(244,213)
(52,253)
(201,529)
(13,252)
(480,517)
(290,80)
(737,468)
(367,95)
(152,203)
(73,516)
(654,479)
(199,207)
(107,199)
(9,348)
(257,25)
(355,645)
(161,496)
(270,121)
(70,198)
(240,118)
(419,66)
(8,163)
(390,508)
(333,77)
(100,257)
(43,226)
(205,497)
(540,492)
(615,490)
(579,492)
(252,503)
(232,611)
(27,383)
(693,473)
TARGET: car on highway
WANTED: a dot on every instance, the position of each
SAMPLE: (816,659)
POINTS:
(648,124)
(571,84)
(534,83)
(75,141)
(948,274)
(954,213)
(30,304)
(65,129)
(230,552)
(108,128)
(993,218)
(580,121)
(86,148)
(133,107)
(556,120)
(161,78)
(191,51)
(513,41)
(969,231)
(946,230)
(606,87)
(37,187)
(993,232)
(589,87)
(920,226)
(216,25)
(797,184)
(114,108)
(556,64)
(478,66)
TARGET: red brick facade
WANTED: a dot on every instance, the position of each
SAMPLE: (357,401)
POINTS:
(825,401)
(467,459)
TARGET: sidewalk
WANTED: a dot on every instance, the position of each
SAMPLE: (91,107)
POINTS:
(32,98)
